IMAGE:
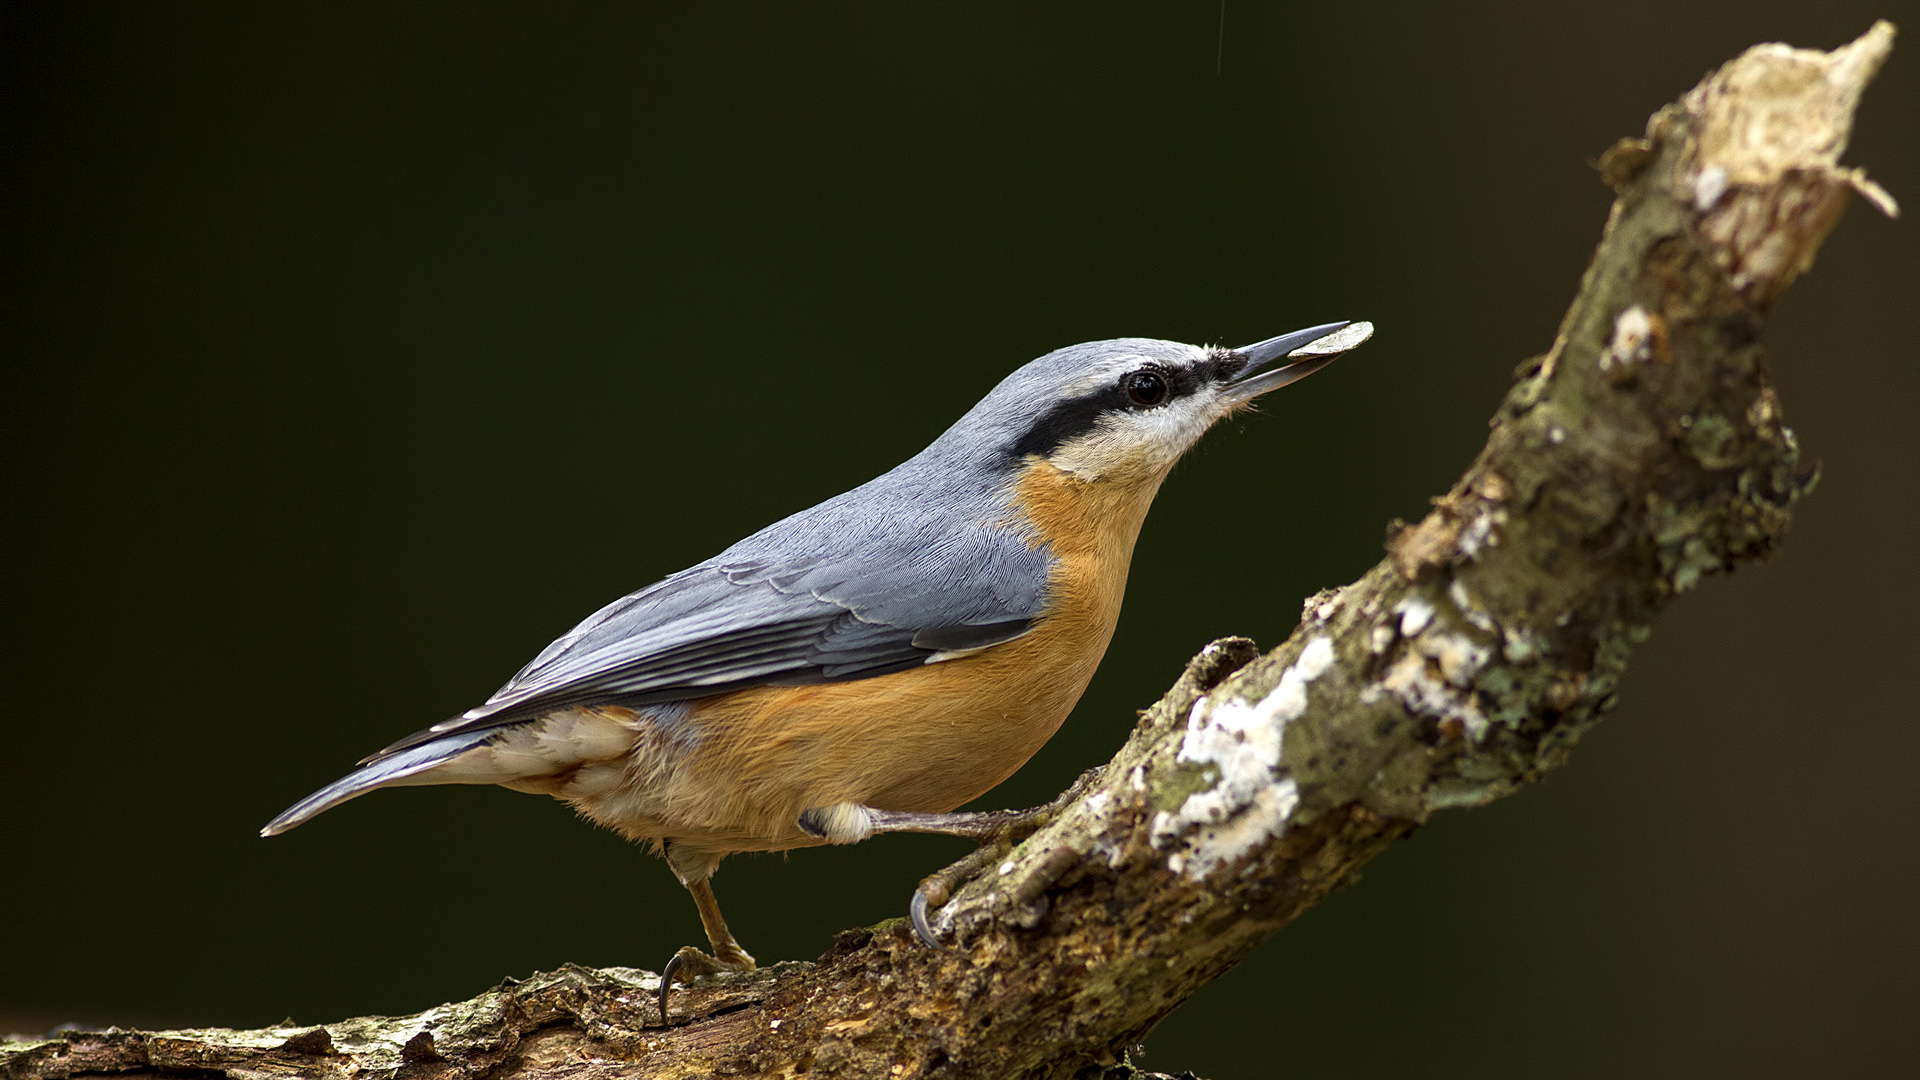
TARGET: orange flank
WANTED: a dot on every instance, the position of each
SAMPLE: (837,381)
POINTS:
(927,739)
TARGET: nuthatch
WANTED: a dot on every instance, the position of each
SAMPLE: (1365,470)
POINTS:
(872,663)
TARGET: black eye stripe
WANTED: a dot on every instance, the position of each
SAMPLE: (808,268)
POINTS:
(1067,420)
(1074,417)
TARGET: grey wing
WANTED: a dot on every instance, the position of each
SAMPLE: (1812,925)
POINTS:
(748,618)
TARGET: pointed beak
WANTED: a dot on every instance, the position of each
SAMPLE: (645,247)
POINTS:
(1297,355)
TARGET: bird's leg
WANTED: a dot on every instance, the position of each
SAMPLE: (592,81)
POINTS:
(996,830)
(690,963)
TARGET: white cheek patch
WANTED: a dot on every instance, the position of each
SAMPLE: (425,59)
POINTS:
(1146,440)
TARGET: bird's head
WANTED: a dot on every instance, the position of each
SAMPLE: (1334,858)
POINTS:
(1128,408)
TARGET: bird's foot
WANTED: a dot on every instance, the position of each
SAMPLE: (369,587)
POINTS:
(690,963)
(937,888)
(998,832)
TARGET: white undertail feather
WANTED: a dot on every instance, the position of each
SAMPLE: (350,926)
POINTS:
(563,749)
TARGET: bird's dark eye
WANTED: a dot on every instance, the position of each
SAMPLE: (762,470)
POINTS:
(1145,387)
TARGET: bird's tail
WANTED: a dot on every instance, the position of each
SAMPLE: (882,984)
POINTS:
(391,770)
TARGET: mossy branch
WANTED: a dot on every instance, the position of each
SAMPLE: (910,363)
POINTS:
(1643,452)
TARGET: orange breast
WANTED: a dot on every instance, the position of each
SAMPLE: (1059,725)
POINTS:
(926,739)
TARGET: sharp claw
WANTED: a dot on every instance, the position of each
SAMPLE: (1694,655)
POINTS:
(917,914)
(666,984)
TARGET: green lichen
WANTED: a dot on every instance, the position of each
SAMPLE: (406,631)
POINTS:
(1713,441)
(1172,786)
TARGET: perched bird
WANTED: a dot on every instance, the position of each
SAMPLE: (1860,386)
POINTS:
(874,662)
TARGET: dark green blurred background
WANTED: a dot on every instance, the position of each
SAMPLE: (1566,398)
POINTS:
(353,352)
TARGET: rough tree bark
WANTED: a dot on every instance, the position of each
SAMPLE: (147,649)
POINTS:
(1642,452)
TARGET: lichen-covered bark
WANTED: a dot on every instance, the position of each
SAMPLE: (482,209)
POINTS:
(1644,451)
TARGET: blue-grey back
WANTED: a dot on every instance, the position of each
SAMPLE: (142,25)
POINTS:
(928,559)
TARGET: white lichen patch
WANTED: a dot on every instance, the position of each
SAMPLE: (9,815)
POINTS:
(1633,340)
(1412,680)
(1459,656)
(1483,531)
(1264,817)
(1469,609)
(1708,187)
(1434,676)
(1240,742)
(1382,639)
(1321,606)
(1091,814)
(1415,613)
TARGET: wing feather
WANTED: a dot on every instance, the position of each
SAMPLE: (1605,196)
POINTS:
(844,604)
